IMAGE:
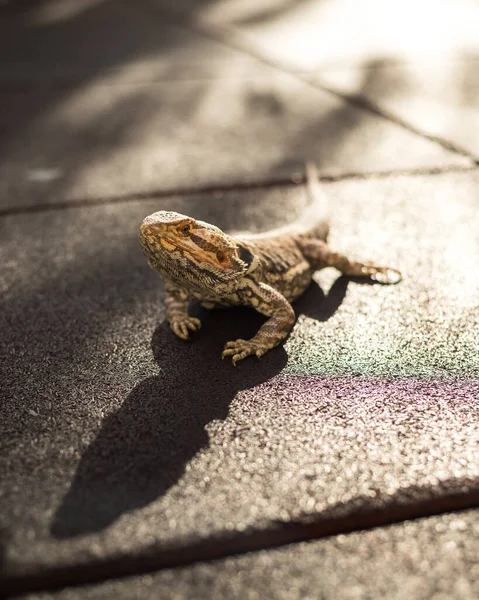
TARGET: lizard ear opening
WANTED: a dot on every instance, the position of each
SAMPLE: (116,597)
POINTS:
(245,255)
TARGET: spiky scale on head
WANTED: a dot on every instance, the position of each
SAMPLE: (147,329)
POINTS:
(196,254)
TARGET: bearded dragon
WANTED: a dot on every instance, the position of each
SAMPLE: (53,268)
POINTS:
(264,271)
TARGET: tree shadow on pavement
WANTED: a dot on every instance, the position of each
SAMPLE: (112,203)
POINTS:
(74,114)
(269,13)
(143,448)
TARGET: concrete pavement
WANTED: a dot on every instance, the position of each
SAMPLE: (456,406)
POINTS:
(123,449)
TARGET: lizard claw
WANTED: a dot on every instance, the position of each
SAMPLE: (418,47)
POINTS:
(385,275)
(182,328)
(240,349)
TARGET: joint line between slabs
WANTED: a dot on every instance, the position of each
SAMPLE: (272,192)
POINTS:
(299,177)
(231,39)
(229,544)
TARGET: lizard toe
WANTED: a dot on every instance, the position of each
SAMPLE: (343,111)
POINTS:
(240,349)
(182,328)
(228,352)
(180,331)
(194,324)
(241,356)
(386,276)
(235,344)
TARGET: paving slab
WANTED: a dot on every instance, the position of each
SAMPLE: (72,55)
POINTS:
(435,558)
(115,436)
(439,98)
(98,143)
(57,44)
(116,100)
(311,34)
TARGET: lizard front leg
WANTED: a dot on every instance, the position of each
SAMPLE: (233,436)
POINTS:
(320,255)
(271,303)
(176,304)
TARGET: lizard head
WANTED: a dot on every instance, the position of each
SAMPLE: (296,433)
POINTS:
(193,253)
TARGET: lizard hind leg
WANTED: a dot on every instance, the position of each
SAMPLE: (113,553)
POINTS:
(319,255)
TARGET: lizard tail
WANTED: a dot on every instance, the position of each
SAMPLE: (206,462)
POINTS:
(314,222)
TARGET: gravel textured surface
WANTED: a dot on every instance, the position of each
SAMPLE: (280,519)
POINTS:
(435,559)
(115,435)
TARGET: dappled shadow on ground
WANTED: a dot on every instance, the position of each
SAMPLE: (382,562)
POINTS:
(76,114)
(71,110)
(3,546)
(256,13)
(144,447)
(51,124)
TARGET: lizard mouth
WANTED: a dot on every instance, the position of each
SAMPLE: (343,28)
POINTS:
(151,238)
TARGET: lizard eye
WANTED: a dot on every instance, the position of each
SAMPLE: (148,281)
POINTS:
(185,229)
(220,256)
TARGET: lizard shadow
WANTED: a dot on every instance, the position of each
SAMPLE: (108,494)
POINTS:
(316,304)
(143,448)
